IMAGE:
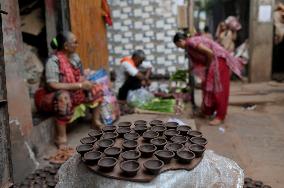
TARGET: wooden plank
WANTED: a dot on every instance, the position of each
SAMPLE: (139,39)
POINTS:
(6,169)
(88,25)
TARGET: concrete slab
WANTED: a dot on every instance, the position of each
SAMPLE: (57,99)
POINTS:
(254,139)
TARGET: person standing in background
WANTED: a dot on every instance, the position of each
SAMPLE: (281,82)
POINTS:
(213,65)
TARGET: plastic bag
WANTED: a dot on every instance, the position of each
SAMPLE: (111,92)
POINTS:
(139,97)
(109,108)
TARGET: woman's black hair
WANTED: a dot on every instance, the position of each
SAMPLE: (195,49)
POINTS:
(179,36)
(206,28)
(57,43)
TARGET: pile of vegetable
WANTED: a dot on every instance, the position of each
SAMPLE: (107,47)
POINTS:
(160,105)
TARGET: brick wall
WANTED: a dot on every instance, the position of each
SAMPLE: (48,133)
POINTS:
(148,25)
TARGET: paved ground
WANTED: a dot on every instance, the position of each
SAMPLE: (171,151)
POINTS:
(253,138)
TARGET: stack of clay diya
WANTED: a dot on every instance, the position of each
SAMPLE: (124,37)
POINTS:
(141,150)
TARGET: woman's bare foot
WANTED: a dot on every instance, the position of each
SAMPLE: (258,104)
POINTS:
(96,124)
(60,142)
(215,122)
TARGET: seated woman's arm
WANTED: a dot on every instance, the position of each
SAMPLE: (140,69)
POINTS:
(86,85)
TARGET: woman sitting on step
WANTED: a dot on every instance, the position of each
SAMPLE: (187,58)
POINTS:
(65,86)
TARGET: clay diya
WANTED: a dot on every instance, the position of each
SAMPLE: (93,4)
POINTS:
(131,155)
(179,139)
(105,143)
(156,122)
(143,122)
(148,135)
(159,142)
(129,168)
(88,140)
(92,157)
(153,166)
(174,147)
(51,183)
(113,152)
(84,148)
(170,133)
(109,128)
(248,180)
(159,129)
(110,135)
(199,140)
(194,134)
(122,130)
(107,164)
(197,149)
(164,155)
(183,129)
(131,136)
(124,124)
(249,185)
(130,144)
(147,150)
(185,156)
(258,183)
(96,133)
(266,186)
(140,128)
(171,125)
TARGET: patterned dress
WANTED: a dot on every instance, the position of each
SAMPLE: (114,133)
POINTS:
(215,77)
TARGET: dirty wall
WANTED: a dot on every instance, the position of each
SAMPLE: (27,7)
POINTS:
(147,25)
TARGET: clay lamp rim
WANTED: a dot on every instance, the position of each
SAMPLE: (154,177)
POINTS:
(194,133)
(96,133)
(125,142)
(159,128)
(168,132)
(197,148)
(143,148)
(123,168)
(157,121)
(102,141)
(137,155)
(159,153)
(140,122)
(110,135)
(109,128)
(179,139)
(184,128)
(131,136)
(123,130)
(92,155)
(155,141)
(171,124)
(124,124)
(171,146)
(84,148)
(88,140)
(199,140)
(140,127)
(151,166)
(183,154)
(101,162)
(150,134)
(115,151)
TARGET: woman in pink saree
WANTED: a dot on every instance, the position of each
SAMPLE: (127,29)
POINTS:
(213,65)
